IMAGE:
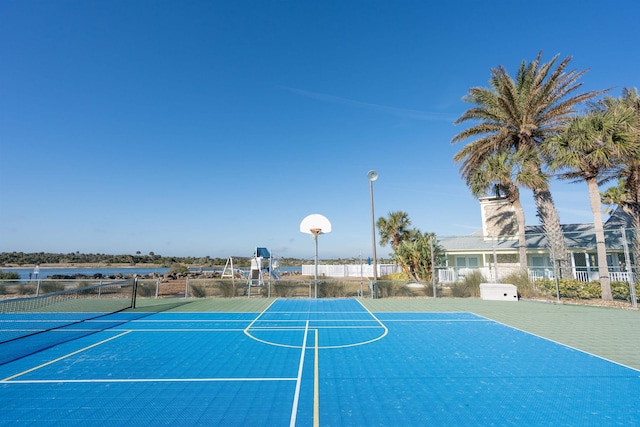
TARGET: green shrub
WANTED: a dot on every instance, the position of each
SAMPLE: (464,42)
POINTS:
(11,275)
(26,290)
(401,275)
(284,290)
(3,290)
(51,287)
(469,286)
(393,288)
(570,288)
(178,269)
(428,289)
(460,290)
(146,290)
(81,284)
(621,291)
(197,291)
(546,287)
(331,289)
(472,282)
(227,288)
(520,280)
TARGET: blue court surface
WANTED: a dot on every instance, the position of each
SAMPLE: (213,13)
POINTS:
(327,362)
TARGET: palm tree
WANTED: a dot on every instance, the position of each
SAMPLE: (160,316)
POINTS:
(414,255)
(589,149)
(519,115)
(497,173)
(394,229)
(620,196)
(627,194)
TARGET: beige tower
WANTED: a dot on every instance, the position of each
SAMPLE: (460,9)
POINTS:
(498,218)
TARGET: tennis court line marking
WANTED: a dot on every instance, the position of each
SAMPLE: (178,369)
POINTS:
(439,320)
(296,395)
(147,380)
(316,385)
(560,343)
(300,328)
(386,331)
(65,356)
(257,317)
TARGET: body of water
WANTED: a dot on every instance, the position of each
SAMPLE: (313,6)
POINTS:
(28,273)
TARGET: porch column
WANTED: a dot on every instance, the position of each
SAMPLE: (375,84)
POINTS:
(588,262)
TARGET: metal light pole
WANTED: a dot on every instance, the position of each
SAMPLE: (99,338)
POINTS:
(373,175)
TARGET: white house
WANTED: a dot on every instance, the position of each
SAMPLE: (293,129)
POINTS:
(498,238)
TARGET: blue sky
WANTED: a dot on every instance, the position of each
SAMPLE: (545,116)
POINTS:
(213,127)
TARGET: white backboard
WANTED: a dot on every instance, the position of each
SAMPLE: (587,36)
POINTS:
(315,224)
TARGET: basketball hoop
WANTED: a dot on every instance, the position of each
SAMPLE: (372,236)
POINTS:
(315,225)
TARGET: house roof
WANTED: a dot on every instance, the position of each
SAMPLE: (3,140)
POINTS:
(577,237)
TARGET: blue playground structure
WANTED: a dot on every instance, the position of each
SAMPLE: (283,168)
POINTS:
(262,264)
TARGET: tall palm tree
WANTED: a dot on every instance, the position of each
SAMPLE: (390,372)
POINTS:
(497,173)
(394,229)
(620,196)
(518,114)
(589,149)
(627,194)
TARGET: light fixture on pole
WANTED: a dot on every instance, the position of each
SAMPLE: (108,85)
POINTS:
(315,224)
(372,176)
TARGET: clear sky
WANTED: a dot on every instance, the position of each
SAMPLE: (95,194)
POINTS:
(193,128)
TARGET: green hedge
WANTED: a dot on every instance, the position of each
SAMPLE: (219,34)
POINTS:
(571,288)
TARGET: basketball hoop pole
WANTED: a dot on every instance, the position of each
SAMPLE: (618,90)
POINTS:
(315,224)
(315,237)
(316,232)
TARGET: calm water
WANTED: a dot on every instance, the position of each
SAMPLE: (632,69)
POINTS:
(107,271)
(46,272)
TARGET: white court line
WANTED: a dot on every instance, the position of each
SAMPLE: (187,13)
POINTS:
(438,320)
(314,320)
(146,380)
(187,330)
(294,410)
(372,318)
(187,321)
(300,328)
(64,357)
(246,330)
(559,343)
(318,312)
(135,330)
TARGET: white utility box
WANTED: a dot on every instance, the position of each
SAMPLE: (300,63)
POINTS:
(498,292)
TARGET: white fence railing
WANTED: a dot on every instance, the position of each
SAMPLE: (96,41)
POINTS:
(453,274)
(349,270)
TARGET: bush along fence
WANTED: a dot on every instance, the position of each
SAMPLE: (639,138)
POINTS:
(465,287)
(469,286)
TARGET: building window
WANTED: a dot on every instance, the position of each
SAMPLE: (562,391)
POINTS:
(540,261)
(468,261)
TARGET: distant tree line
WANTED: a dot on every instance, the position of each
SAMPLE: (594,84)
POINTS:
(23,258)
